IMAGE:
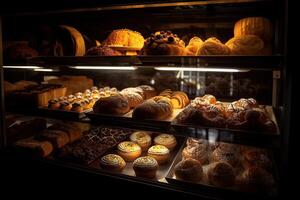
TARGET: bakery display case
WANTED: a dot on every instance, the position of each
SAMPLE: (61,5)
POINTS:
(181,95)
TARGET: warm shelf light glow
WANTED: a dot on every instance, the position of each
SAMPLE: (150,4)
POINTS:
(43,70)
(194,69)
(21,67)
(104,68)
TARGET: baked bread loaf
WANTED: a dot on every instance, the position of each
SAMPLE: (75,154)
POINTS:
(193,47)
(125,38)
(116,104)
(34,148)
(158,108)
(133,96)
(245,45)
(57,138)
(164,43)
(189,170)
(213,46)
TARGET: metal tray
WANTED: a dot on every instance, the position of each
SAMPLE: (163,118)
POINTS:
(206,186)
(162,171)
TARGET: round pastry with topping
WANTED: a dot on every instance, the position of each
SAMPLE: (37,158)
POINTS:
(145,167)
(226,153)
(221,174)
(129,151)
(53,104)
(198,152)
(142,138)
(166,140)
(112,162)
(65,105)
(160,153)
(71,98)
(77,107)
(134,99)
(189,170)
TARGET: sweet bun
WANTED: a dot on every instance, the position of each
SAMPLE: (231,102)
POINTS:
(213,46)
(164,43)
(103,51)
(193,47)
(112,162)
(166,140)
(189,170)
(129,151)
(142,138)
(245,45)
(126,38)
(221,174)
(160,153)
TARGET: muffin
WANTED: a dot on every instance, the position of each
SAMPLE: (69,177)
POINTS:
(145,167)
(129,151)
(142,138)
(166,140)
(160,153)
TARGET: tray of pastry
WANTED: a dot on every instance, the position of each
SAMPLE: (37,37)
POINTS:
(242,116)
(65,114)
(224,168)
(144,154)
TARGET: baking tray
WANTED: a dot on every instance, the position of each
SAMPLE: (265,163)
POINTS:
(162,171)
(206,186)
(232,135)
(127,120)
(57,113)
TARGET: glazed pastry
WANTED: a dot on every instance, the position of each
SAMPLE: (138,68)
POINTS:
(178,99)
(142,138)
(57,138)
(112,105)
(145,167)
(245,45)
(112,162)
(160,153)
(158,108)
(125,38)
(129,151)
(134,99)
(103,51)
(256,158)
(199,153)
(148,91)
(54,104)
(34,147)
(224,153)
(213,46)
(166,140)
(65,105)
(164,43)
(221,174)
(189,170)
(193,47)
(77,107)
(255,179)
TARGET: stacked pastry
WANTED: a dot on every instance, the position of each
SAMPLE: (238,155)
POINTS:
(123,101)
(244,114)
(161,107)
(55,137)
(81,101)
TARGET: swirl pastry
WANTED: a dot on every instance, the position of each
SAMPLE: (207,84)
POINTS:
(129,151)
(112,162)
(226,153)
(160,153)
(166,140)
(198,152)
(142,138)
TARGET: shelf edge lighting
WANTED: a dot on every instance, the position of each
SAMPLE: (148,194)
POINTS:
(104,67)
(43,70)
(21,67)
(200,69)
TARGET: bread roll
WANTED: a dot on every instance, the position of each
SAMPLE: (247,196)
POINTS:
(34,147)
(245,45)
(213,46)
(116,104)
(126,38)
(193,47)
